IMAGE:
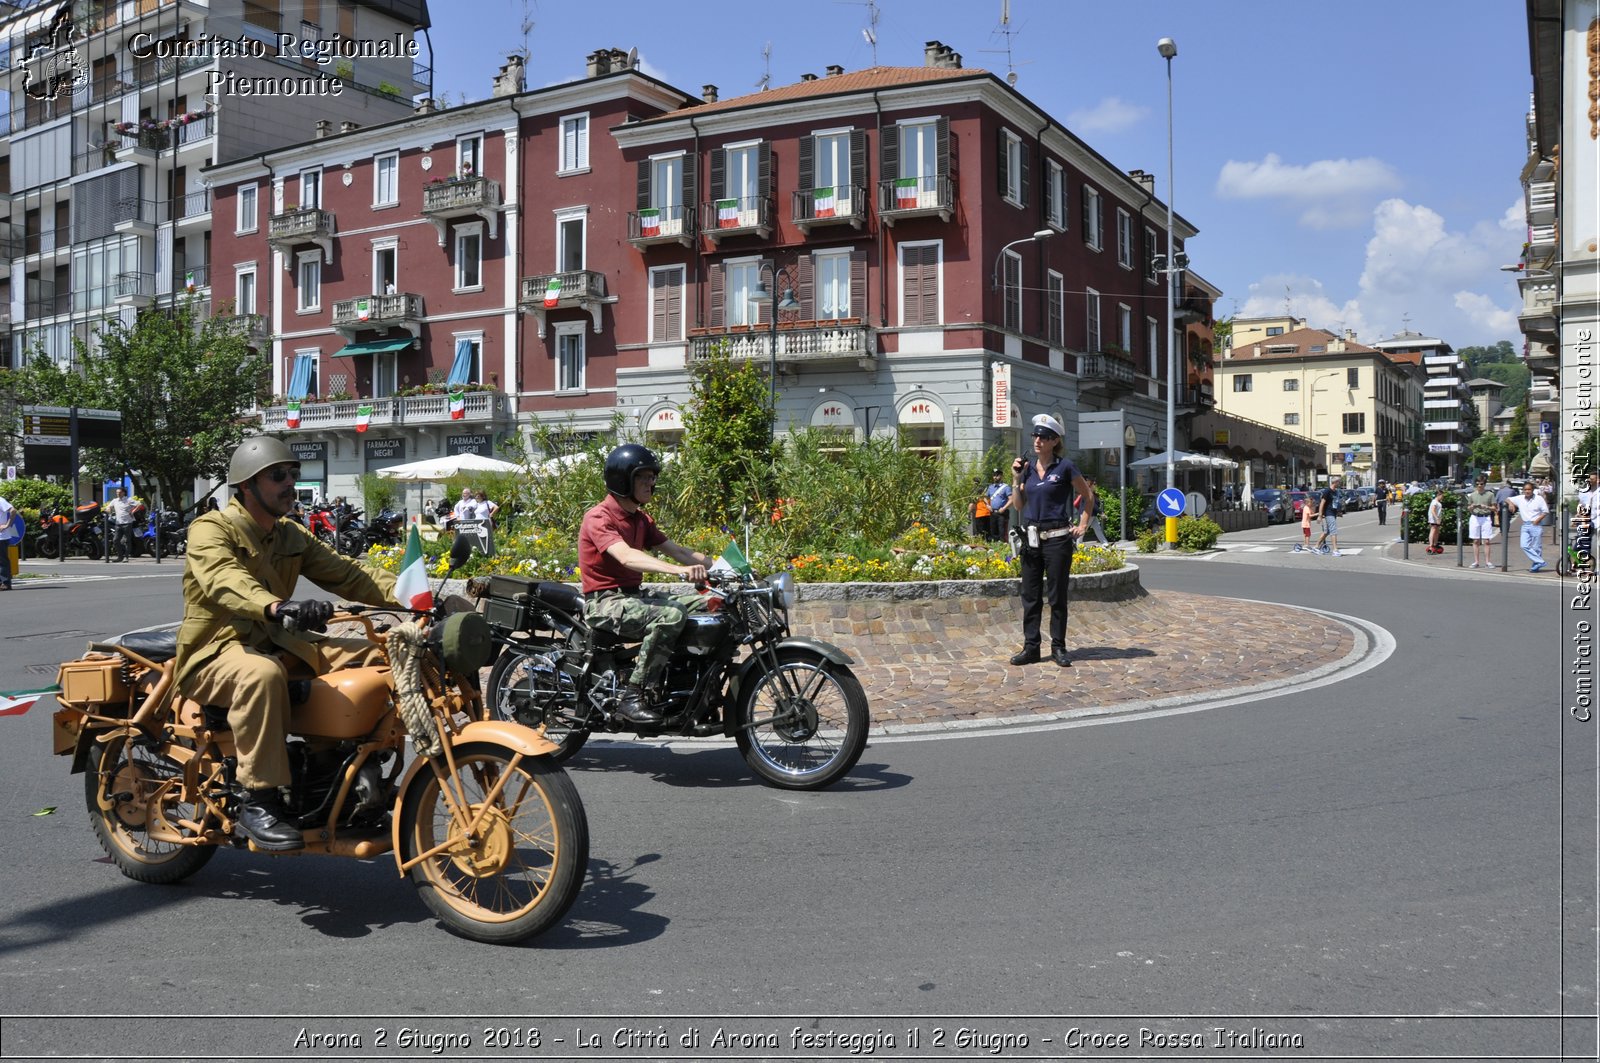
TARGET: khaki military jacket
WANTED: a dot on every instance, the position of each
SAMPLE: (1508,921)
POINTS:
(235,571)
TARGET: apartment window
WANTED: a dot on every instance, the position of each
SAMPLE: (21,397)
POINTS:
(1125,327)
(311,189)
(469,256)
(469,154)
(1152,343)
(570,237)
(386,180)
(246,222)
(244,291)
(917,166)
(831,285)
(1011,291)
(742,177)
(1274,330)
(831,168)
(1150,254)
(739,280)
(569,357)
(308,292)
(666,188)
(1055,195)
(574,143)
(1124,239)
(1291,384)
(666,303)
(1242,382)
(473,341)
(1055,293)
(1352,378)
(385,373)
(1091,218)
(1013,168)
(920,275)
(1291,418)
(385,267)
(1091,307)
(1354,423)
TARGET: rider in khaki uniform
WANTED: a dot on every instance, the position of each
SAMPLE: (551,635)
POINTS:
(241,632)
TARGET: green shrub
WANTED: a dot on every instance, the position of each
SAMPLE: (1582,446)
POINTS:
(1416,517)
(1111,508)
(34,495)
(1149,541)
(1197,533)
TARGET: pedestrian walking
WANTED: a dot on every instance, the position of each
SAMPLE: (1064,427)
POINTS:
(120,509)
(1435,521)
(1095,509)
(1043,489)
(1328,513)
(978,509)
(1382,499)
(1533,509)
(1481,521)
(11,532)
(1304,545)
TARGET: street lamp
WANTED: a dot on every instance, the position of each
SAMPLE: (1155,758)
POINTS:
(1168,49)
(762,296)
(994,278)
(1330,375)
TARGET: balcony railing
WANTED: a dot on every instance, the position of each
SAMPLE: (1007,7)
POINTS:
(254,326)
(840,205)
(738,217)
(47,306)
(915,197)
(364,312)
(192,205)
(196,276)
(1442,426)
(582,288)
(11,241)
(810,343)
(461,197)
(308,226)
(195,132)
(134,215)
(47,242)
(1541,203)
(135,288)
(1104,370)
(481,406)
(661,225)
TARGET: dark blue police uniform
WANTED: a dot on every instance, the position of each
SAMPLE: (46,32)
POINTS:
(1046,568)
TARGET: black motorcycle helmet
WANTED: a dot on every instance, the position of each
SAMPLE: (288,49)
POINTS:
(624,463)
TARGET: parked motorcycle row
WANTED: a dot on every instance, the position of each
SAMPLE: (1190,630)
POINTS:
(342,528)
(83,532)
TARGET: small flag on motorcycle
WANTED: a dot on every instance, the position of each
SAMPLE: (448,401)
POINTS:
(411,588)
(736,560)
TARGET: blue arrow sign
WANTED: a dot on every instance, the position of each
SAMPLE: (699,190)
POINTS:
(1169,503)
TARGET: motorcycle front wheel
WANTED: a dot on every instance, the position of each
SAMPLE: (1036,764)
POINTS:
(45,546)
(130,786)
(507,837)
(807,741)
(522,691)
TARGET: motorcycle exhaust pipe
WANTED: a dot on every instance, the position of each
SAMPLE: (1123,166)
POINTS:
(361,848)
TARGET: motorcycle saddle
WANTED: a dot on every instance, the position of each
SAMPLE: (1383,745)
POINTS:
(154,646)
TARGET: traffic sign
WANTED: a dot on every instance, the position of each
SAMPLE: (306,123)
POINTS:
(1197,504)
(1170,502)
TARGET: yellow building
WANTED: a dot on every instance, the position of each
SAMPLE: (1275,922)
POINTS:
(1351,398)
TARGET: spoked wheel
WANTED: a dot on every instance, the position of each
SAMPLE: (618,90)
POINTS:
(807,740)
(524,688)
(504,841)
(135,796)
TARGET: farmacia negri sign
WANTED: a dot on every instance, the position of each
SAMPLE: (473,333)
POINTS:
(324,51)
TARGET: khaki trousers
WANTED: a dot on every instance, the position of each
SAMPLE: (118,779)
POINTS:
(254,687)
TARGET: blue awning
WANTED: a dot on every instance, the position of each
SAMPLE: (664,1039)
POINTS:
(374,347)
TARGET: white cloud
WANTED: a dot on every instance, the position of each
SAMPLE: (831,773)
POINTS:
(1330,193)
(1487,316)
(1110,115)
(1301,296)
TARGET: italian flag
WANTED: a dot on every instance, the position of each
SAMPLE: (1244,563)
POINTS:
(292,418)
(552,293)
(736,560)
(458,405)
(411,589)
(650,222)
(822,203)
(905,192)
(363,416)
(727,213)
(20,701)
(363,309)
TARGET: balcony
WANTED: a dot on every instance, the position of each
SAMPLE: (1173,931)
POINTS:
(252,326)
(294,227)
(1442,426)
(915,197)
(11,241)
(842,205)
(1542,240)
(1192,312)
(192,206)
(196,276)
(41,306)
(1194,399)
(1448,360)
(749,216)
(379,313)
(196,131)
(482,407)
(134,289)
(1541,203)
(581,288)
(810,343)
(1105,373)
(1539,319)
(461,197)
(661,225)
(134,216)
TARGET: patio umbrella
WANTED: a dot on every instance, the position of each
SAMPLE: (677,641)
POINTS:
(436,469)
(1182,459)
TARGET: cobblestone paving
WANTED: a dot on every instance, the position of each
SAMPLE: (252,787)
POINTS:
(950,664)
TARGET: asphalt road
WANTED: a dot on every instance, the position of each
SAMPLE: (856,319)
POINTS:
(1416,841)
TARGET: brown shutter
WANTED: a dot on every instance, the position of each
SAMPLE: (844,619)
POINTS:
(691,185)
(719,170)
(858,283)
(764,169)
(946,161)
(888,165)
(644,183)
(674,304)
(805,288)
(658,305)
(1023,153)
(1001,165)
(858,158)
(930,284)
(808,153)
(715,310)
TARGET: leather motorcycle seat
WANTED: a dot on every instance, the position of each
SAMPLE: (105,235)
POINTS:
(154,646)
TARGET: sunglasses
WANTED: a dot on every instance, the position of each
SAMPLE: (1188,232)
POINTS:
(283,472)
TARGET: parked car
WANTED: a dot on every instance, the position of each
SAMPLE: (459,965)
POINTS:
(1298,500)
(1350,500)
(1274,501)
(1369,496)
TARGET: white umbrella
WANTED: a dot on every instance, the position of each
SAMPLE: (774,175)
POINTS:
(436,469)
(1182,459)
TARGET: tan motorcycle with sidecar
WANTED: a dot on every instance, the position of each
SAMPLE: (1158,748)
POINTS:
(486,824)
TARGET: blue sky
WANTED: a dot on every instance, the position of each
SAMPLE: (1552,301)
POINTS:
(1355,161)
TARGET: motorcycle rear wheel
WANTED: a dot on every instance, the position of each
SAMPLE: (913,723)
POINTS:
(523,694)
(45,546)
(518,876)
(137,772)
(815,743)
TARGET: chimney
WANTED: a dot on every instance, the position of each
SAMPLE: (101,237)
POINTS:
(509,81)
(1255,351)
(349,127)
(1350,334)
(930,53)
(834,70)
(939,54)
(597,64)
(808,77)
(1147,181)
(708,93)
(324,127)
(427,105)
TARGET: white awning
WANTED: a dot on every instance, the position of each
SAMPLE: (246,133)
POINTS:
(922,412)
(833,414)
(666,419)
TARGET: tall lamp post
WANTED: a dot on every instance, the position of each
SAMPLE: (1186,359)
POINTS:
(1168,49)
(762,296)
(994,277)
(1330,375)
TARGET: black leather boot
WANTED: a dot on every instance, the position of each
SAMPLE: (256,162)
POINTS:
(262,820)
(1026,656)
(633,709)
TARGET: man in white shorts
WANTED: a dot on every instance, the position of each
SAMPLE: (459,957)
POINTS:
(1481,522)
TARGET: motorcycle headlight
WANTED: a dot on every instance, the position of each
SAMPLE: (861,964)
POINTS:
(783,589)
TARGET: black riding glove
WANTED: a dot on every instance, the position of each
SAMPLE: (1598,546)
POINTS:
(309,614)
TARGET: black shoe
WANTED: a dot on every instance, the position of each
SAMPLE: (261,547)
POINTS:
(1061,658)
(260,820)
(632,708)
(1026,656)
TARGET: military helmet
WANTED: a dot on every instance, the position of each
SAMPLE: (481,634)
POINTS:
(255,454)
(624,463)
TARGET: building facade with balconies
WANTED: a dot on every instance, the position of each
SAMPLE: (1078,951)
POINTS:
(1449,417)
(106,209)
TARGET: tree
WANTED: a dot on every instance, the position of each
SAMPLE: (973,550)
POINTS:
(1585,456)
(181,382)
(1516,439)
(725,469)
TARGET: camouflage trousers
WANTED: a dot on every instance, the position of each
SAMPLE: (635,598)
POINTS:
(654,619)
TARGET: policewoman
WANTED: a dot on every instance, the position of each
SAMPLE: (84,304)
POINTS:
(1043,490)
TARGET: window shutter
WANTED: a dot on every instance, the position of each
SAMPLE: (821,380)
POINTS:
(946,162)
(930,285)
(805,288)
(674,304)
(764,184)
(808,152)
(658,305)
(719,171)
(1023,152)
(1084,210)
(858,283)
(858,158)
(765,312)
(644,184)
(889,154)
(1002,182)
(717,284)
(691,184)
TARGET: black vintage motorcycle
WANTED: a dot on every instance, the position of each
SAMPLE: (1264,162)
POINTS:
(792,704)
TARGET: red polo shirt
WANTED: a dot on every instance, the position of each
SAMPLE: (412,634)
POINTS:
(604,525)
